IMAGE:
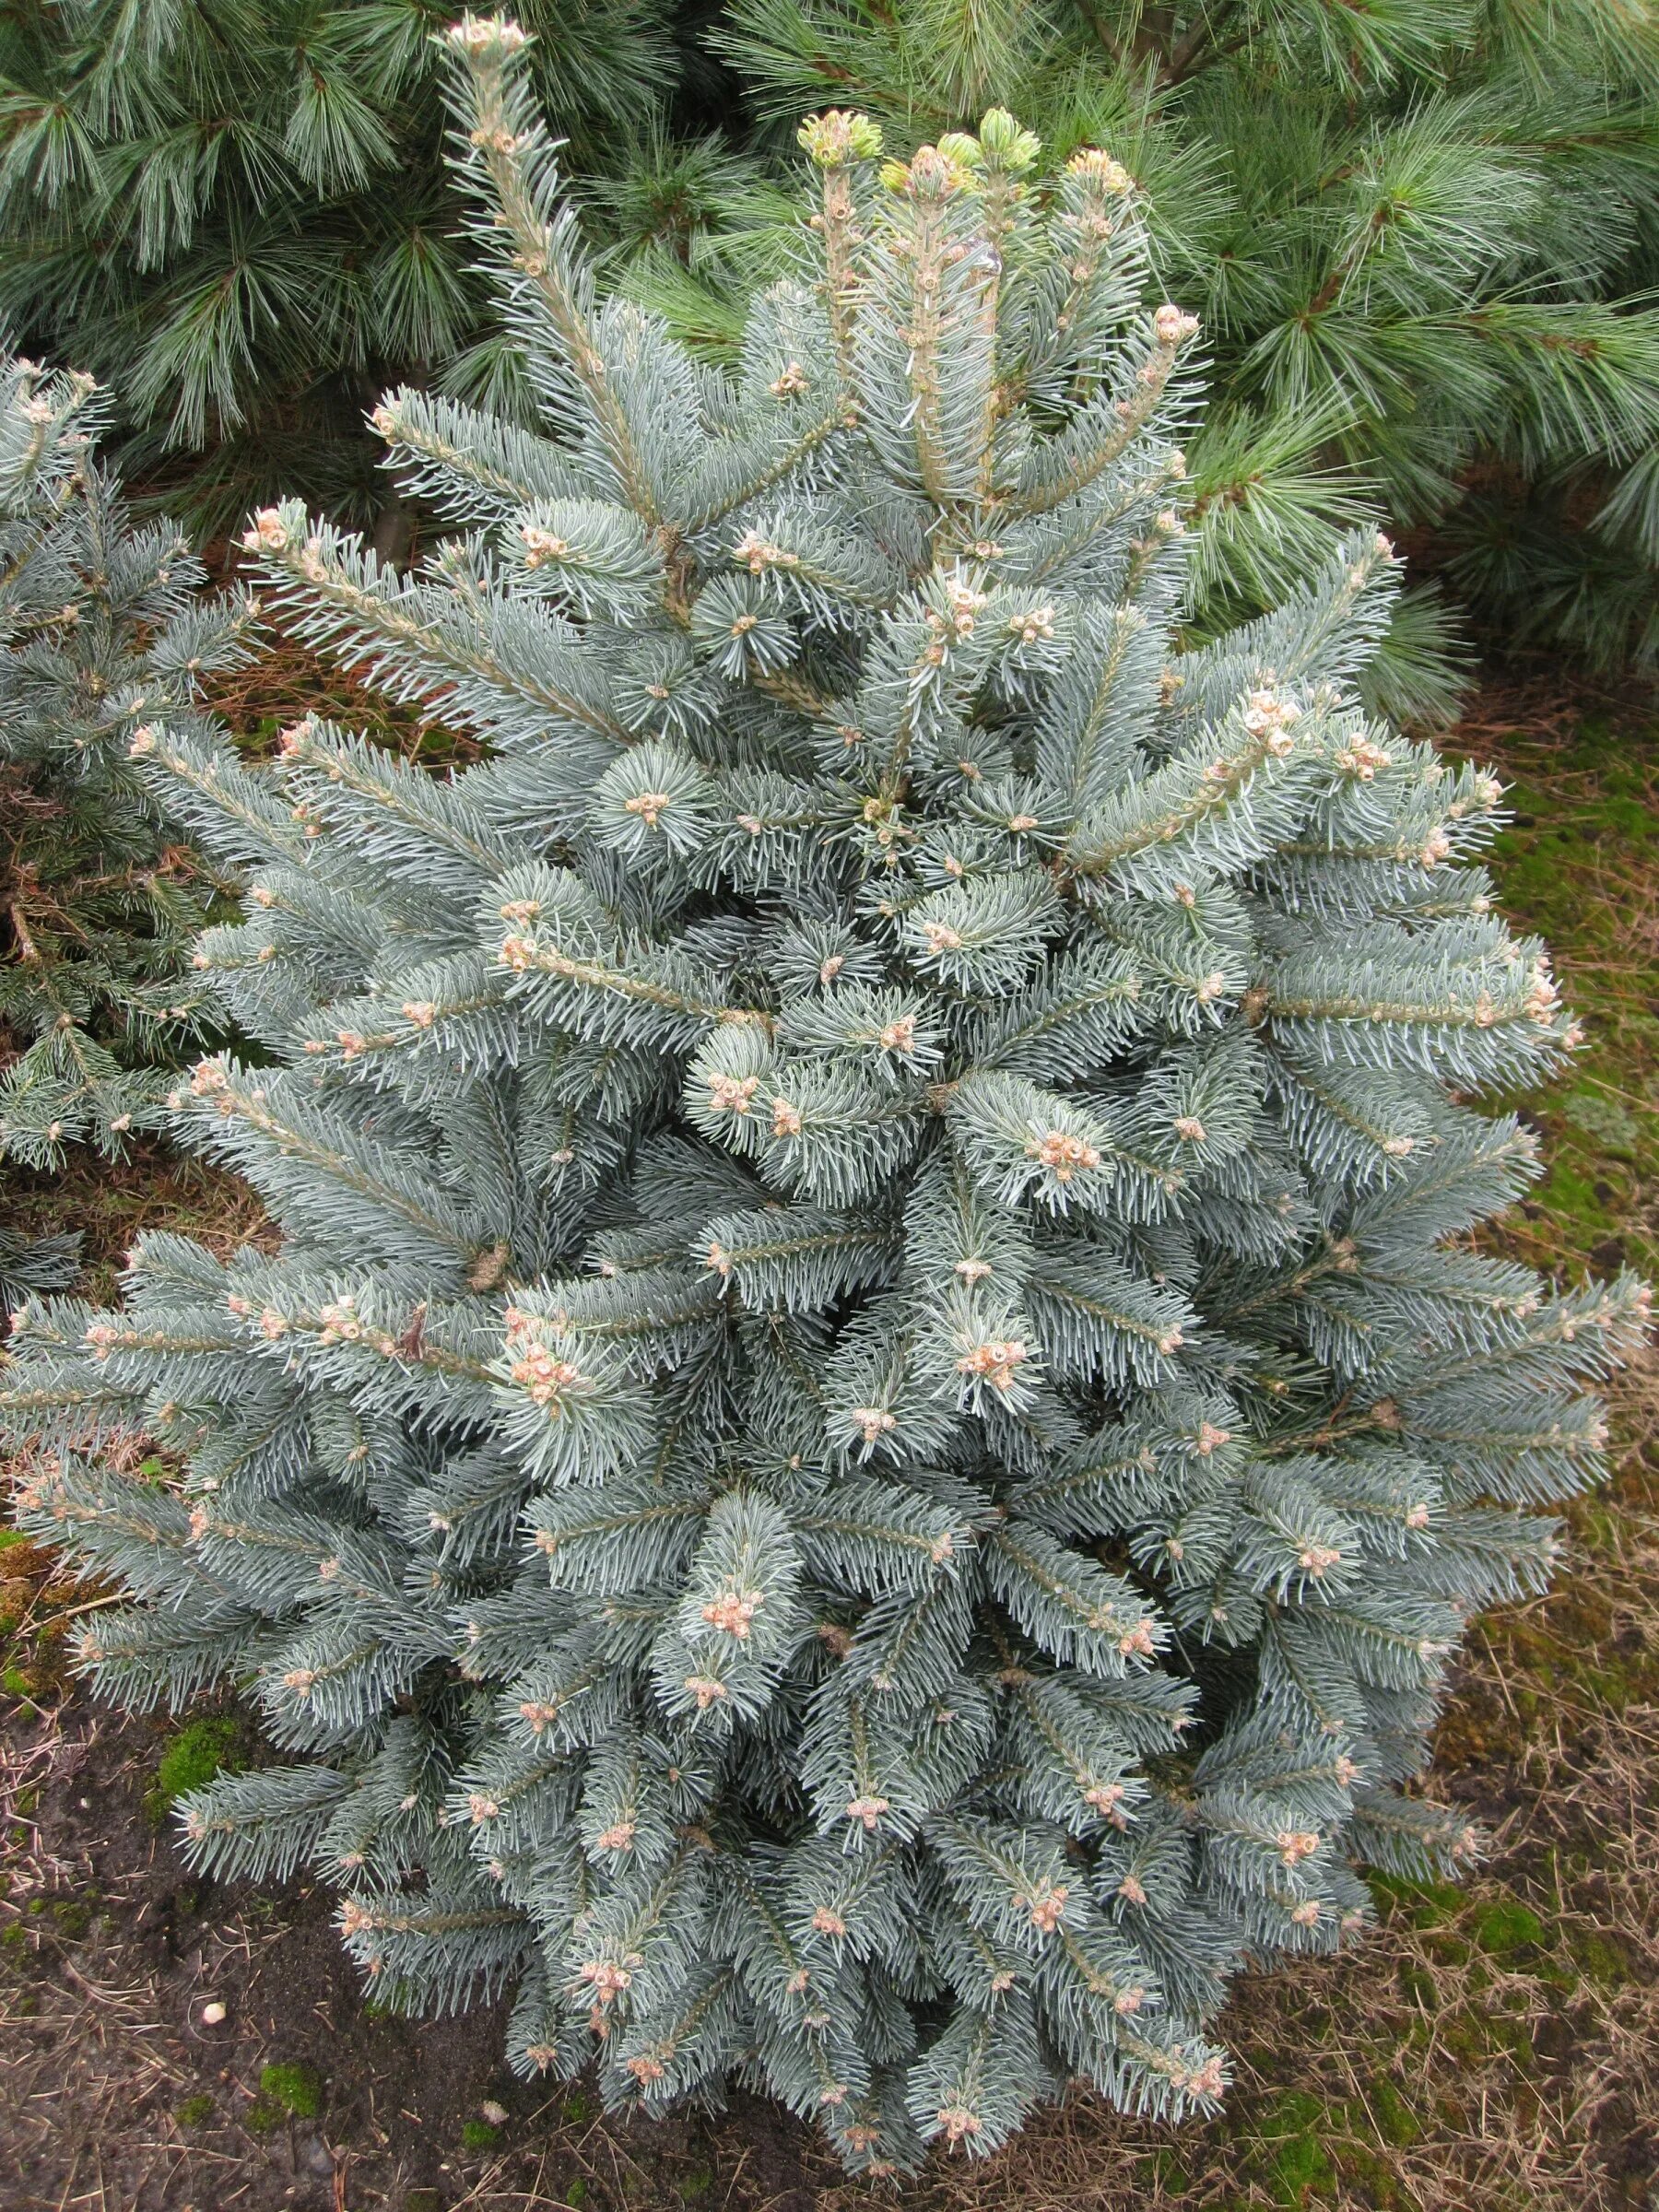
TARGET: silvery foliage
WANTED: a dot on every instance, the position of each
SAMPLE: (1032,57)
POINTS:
(102,621)
(874,1421)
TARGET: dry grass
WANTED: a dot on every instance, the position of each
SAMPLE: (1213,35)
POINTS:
(285,682)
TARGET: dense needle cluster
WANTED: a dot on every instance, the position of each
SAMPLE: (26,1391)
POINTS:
(875,1418)
(234,213)
(100,625)
(1419,237)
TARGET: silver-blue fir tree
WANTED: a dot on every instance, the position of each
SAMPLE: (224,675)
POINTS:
(877,1415)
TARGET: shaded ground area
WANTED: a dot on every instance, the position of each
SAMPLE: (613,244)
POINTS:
(1487,2048)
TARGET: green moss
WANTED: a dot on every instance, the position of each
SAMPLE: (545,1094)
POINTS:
(200,1750)
(1600,1528)
(1396,2121)
(577,2191)
(1504,1928)
(196,2111)
(1448,1949)
(422,2200)
(261,2116)
(1165,2166)
(73,1916)
(294,2089)
(1303,2171)
(1594,730)
(1629,818)
(1425,1904)
(9,1536)
(1575,1199)
(1480,2030)
(1374,2182)
(1606,1962)
(1296,2161)
(698,2183)
(478,2134)
(1610,1684)
(577,2109)
(1465,2036)
(1609,1121)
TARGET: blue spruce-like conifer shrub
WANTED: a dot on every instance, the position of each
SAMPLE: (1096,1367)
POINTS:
(875,1417)
(101,623)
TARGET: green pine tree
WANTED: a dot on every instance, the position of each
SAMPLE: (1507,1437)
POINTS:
(100,626)
(875,1424)
(234,212)
(1422,238)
